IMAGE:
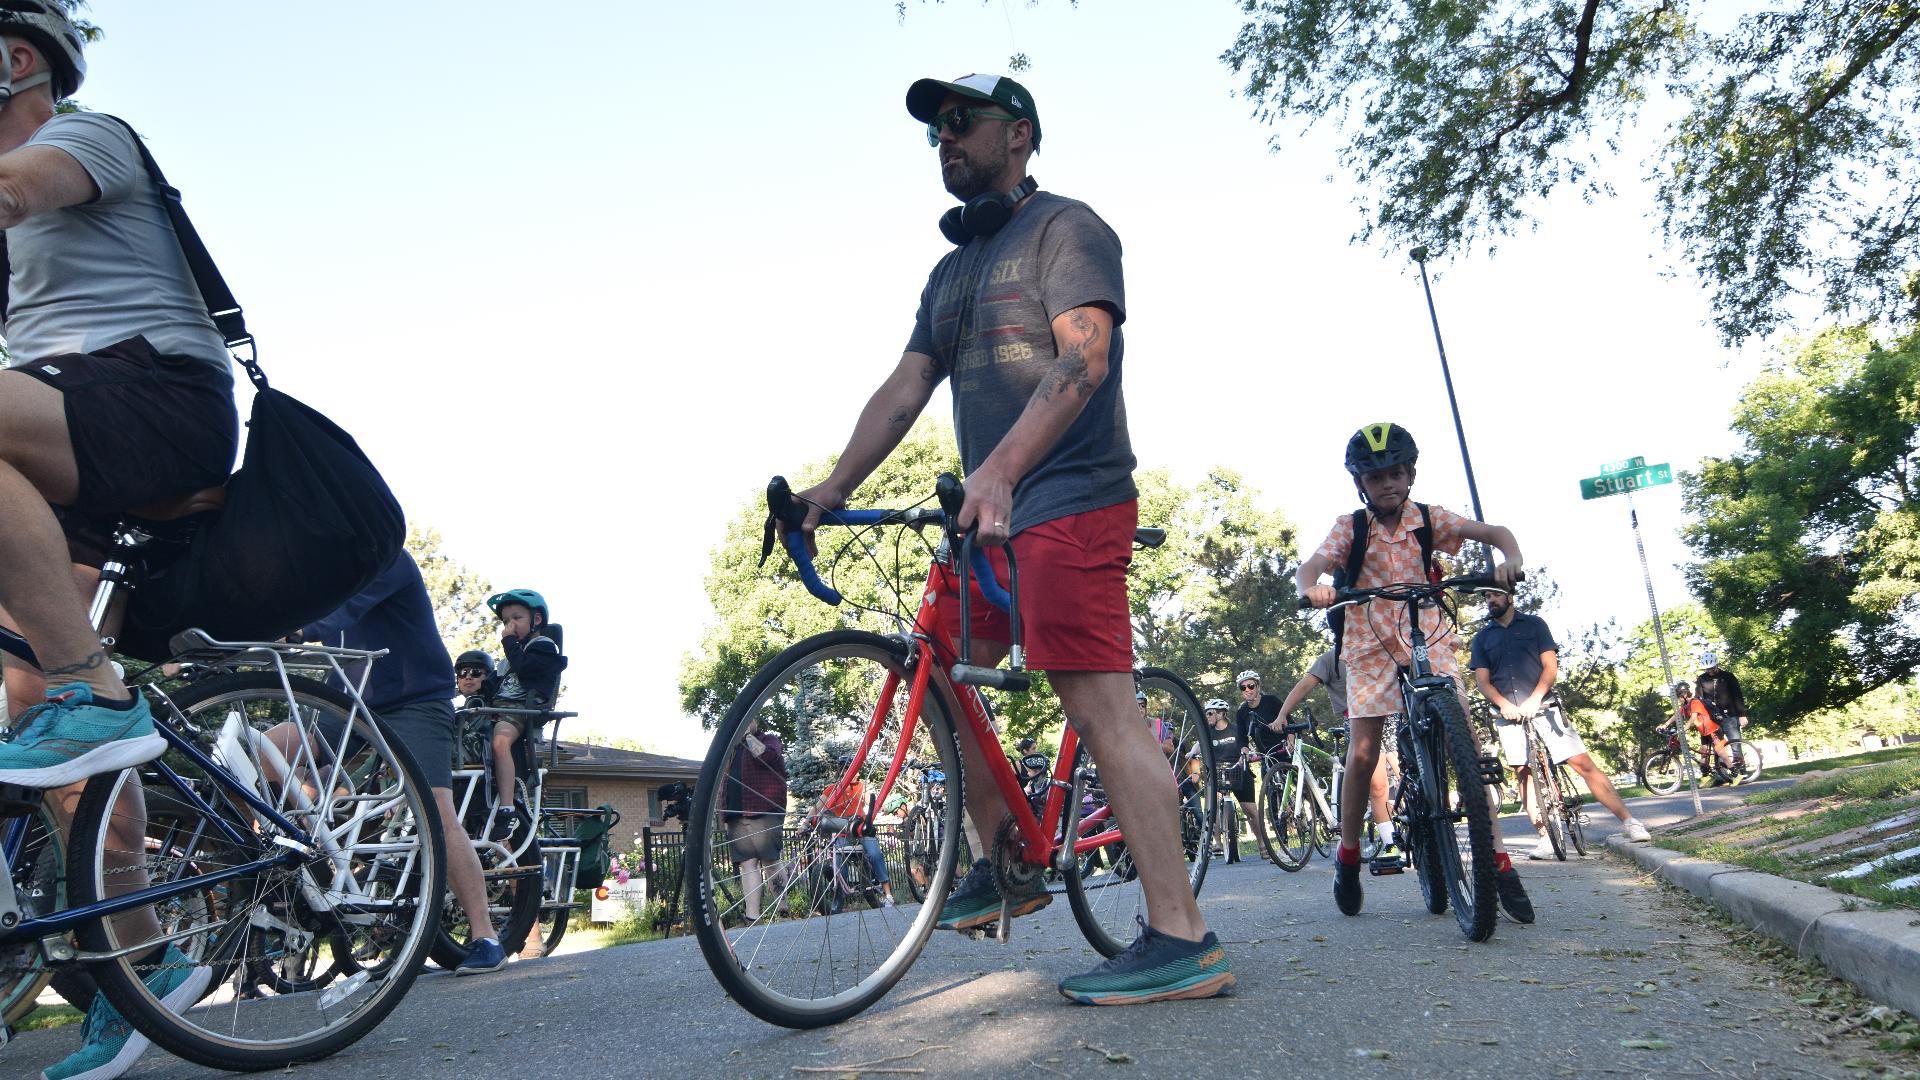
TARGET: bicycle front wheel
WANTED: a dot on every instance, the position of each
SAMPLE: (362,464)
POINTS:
(1458,801)
(1660,772)
(1414,825)
(1746,762)
(1571,807)
(836,696)
(1107,895)
(359,905)
(513,885)
(1543,789)
(1290,847)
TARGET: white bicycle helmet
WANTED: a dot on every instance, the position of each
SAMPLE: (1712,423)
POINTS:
(46,25)
(1246,676)
(1217,703)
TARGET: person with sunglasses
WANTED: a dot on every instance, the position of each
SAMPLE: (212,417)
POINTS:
(473,679)
(1024,317)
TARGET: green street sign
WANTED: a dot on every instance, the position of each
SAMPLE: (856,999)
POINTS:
(1628,465)
(1646,476)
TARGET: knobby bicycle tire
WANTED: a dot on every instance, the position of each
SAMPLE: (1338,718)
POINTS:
(391,851)
(1469,873)
(1414,826)
(1106,903)
(786,966)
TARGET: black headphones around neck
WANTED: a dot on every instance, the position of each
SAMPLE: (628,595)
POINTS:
(984,215)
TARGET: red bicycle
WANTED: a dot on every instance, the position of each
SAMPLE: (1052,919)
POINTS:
(1660,771)
(893,702)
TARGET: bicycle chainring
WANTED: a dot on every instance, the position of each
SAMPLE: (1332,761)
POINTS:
(1015,876)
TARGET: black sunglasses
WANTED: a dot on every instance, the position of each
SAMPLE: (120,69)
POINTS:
(472,673)
(959,120)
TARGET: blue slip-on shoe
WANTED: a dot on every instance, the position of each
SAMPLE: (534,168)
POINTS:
(1154,968)
(108,1044)
(483,956)
(69,738)
(976,903)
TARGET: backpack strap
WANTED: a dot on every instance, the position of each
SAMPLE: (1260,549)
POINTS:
(1424,534)
(1346,576)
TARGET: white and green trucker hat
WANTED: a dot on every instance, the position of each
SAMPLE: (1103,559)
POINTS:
(923,98)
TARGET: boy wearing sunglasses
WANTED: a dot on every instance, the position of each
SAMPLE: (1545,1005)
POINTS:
(1024,317)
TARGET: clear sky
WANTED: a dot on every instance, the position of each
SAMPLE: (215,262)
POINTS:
(581,277)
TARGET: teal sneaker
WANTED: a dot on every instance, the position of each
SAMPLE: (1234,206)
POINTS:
(976,902)
(1154,968)
(69,738)
(108,1044)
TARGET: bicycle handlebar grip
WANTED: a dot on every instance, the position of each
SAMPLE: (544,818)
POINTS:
(796,542)
(997,678)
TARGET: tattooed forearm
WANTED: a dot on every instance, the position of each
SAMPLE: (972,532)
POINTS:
(901,419)
(96,659)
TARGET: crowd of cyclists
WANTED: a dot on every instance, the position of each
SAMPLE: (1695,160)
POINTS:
(108,329)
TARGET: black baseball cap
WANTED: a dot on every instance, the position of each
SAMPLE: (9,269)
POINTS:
(924,97)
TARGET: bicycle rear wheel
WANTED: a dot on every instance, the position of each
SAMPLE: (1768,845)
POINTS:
(37,858)
(1108,898)
(1457,794)
(923,849)
(1746,761)
(837,694)
(366,894)
(1414,826)
(1571,806)
(513,903)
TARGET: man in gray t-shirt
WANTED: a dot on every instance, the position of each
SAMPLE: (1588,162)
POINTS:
(1023,320)
(118,398)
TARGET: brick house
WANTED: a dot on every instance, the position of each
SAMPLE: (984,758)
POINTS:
(629,780)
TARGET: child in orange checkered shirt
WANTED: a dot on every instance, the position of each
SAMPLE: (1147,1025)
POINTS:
(1381,459)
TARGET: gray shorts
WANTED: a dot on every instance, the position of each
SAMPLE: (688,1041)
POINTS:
(425,728)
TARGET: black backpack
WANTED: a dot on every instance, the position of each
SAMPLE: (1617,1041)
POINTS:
(1344,577)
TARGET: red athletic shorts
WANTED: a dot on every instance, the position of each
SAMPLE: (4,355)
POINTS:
(1073,592)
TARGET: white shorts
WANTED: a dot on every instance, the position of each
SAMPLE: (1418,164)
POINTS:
(1562,741)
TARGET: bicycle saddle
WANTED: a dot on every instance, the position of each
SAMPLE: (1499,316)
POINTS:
(198,502)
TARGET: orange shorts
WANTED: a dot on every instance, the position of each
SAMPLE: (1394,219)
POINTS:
(1073,592)
(1373,672)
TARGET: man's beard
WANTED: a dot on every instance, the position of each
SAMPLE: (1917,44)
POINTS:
(971,178)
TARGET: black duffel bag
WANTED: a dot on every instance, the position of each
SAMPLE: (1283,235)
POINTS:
(308,523)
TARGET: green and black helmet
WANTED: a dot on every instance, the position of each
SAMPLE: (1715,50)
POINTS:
(1380,446)
(533,601)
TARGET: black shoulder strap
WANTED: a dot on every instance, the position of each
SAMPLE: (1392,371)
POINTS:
(1424,534)
(1357,550)
(222,308)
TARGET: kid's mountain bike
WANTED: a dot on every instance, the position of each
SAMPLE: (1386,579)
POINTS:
(1441,812)
(891,700)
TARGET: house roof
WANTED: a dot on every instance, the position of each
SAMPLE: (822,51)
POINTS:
(585,759)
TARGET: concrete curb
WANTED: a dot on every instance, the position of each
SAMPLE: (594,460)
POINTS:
(1877,951)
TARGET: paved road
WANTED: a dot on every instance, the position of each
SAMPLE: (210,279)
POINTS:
(1395,992)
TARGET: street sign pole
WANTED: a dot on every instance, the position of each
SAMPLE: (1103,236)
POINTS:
(1419,255)
(1666,661)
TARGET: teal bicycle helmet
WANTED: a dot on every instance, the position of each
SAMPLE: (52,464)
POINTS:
(533,601)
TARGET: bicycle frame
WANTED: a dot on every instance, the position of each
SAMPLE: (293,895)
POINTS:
(293,844)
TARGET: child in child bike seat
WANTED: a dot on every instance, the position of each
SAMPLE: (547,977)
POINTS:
(1400,536)
(534,663)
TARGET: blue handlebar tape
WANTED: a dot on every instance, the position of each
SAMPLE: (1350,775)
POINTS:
(797,547)
(989,584)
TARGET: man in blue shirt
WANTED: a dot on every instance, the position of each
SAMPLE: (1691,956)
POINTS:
(1516,661)
(411,690)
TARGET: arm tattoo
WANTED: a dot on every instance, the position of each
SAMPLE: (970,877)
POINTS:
(1070,370)
(95,659)
(901,418)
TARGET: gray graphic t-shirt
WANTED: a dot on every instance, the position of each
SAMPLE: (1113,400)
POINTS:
(87,276)
(986,318)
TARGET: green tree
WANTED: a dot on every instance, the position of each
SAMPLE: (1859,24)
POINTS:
(1809,535)
(1789,170)
(459,595)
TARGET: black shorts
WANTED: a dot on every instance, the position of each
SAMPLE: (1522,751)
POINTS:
(145,427)
(425,728)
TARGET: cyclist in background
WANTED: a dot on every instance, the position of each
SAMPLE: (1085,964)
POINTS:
(533,663)
(1024,316)
(1713,740)
(1232,757)
(1326,671)
(1381,459)
(1721,692)
(1515,661)
(473,681)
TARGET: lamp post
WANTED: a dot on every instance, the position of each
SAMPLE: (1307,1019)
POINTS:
(1419,255)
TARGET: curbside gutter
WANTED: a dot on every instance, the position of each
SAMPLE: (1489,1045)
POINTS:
(1877,951)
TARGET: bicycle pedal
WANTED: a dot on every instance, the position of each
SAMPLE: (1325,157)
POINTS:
(1491,771)
(1377,867)
(16,801)
(982,933)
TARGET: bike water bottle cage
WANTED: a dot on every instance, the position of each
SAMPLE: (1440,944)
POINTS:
(984,215)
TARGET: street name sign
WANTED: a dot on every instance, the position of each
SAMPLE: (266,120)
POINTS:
(1617,483)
